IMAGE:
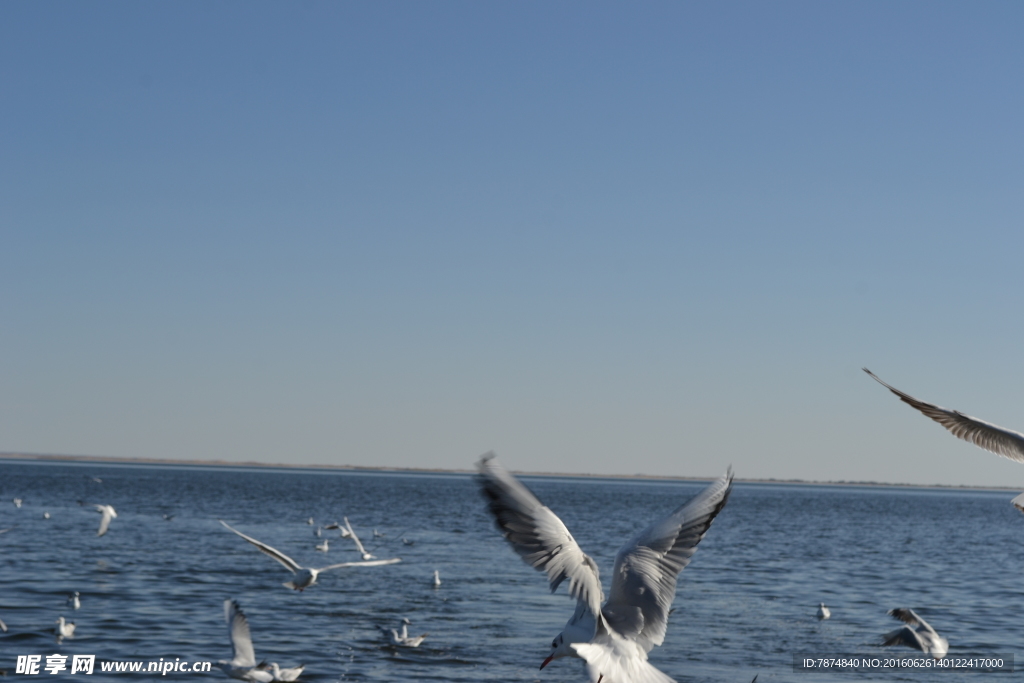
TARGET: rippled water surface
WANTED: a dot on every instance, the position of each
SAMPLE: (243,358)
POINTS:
(153,588)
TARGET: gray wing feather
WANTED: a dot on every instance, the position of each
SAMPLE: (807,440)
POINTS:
(289,564)
(648,566)
(366,563)
(538,535)
(905,636)
(1004,442)
(242,653)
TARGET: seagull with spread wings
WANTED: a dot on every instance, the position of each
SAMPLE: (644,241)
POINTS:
(242,664)
(916,634)
(1004,442)
(304,576)
(613,639)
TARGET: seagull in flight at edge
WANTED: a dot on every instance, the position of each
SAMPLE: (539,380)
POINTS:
(1004,442)
(614,639)
(304,576)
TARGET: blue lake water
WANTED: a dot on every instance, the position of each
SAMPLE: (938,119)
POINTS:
(746,604)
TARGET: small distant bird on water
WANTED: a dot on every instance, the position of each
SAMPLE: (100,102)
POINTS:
(437,578)
(403,639)
(280,674)
(17,502)
(242,664)
(304,576)
(108,513)
(309,521)
(823,612)
(168,517)
(74,601)
(46,515)
(322,547)
(97,480)
(377,534)
(406,541)
(64,629)
(998,440)
(917,634)
(613,639)
(319,531)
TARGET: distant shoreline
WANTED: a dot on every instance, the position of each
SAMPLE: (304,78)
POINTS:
(111,460)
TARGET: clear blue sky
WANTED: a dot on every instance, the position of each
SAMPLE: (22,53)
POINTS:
(593,237)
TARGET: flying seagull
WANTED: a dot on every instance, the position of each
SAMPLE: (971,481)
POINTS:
(916,634)
(1004,442)
(242,664)
(108,513)
(614,639)
(304,576)
(359,544)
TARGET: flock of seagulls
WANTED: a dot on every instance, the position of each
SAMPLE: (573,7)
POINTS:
(611,634)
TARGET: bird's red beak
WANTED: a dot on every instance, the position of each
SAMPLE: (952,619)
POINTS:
(546,661)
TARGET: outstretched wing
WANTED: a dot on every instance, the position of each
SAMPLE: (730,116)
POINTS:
(647,567)
(289,564)
(1004,442)
(538,535)
(108,514)
(367,563)
(242,653)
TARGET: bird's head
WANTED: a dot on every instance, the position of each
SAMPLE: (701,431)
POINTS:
(560,647)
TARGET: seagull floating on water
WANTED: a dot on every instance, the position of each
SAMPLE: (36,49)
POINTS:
(437,579)
(823,612)
(168,518)
(917,634)
(403,639)
(242,664)
(993,438)
(304,576)
(279,674)
(65,629)
(322,547)
(614,639)
(108,513)
(407,541)
(309,521)
(46,515)
(17,502)
(74,601)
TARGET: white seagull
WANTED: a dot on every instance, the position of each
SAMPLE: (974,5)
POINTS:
(242,664)
(304,576)
(322,547)
(65,629)
(74,601)
(437,579)
(291,674)
(614,639)
(917,634)
(1004,442)
(341,529)
(108,513)
(17,502)
(403,640)
(823,612)
(309,521)
(359,544)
